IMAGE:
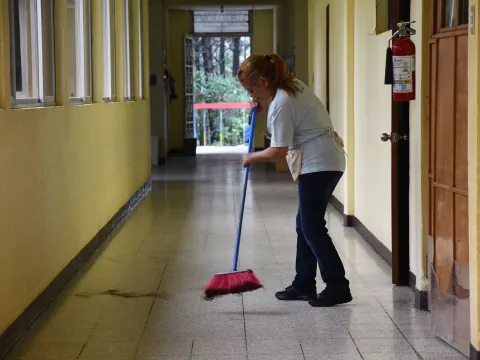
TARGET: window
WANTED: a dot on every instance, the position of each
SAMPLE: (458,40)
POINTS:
(79,49)
(140,50)
(109,58)
(32,57)
(128,53)
(222,21)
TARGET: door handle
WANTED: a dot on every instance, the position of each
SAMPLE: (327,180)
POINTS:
(393,137)
(385,137)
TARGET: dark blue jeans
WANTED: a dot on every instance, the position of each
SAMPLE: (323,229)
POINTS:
(314,244)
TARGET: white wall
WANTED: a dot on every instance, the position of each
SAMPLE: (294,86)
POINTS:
(372,111)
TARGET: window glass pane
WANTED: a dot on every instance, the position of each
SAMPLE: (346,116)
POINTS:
(88,48)
(448,13)
(128,49)
(109,47)
(221,21)
(24,49)
(32,50)
(79,48)
(47,49)
(113,53)
(140,50)
(463,12)
(72,48)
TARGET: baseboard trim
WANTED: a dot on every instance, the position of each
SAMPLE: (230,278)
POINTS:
(376,244)
(19,327)
(474,353)
(348,220)
(352,221)
(421,297)
(337,204)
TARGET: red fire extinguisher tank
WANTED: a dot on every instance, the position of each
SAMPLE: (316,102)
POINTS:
(403,56)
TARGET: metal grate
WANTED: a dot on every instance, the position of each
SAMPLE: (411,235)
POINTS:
(226,21)
(189,62)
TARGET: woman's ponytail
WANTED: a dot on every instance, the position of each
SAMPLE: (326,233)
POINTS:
(283,80)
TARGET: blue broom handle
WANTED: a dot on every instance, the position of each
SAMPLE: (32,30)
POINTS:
(242,207)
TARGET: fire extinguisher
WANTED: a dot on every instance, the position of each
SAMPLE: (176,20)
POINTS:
(400,64)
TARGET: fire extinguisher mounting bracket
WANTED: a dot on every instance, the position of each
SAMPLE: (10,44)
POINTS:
(403,30)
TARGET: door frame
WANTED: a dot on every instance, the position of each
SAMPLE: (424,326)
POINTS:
(327,54)
(400,124)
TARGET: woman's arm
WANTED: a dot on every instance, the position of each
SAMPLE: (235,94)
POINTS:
(266,155)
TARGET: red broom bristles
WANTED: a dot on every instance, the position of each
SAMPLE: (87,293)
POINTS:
(232,283)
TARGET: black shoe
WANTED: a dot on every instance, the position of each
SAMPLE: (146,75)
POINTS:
(290,293)
(329,298)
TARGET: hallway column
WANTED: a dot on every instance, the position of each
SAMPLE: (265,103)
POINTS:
(349,133)
(473,183)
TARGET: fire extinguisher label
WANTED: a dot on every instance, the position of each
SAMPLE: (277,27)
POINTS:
(402,73)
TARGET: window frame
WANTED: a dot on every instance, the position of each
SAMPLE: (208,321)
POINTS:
(34,51)
(211,33)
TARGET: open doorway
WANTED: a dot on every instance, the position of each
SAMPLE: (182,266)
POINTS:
(221,105)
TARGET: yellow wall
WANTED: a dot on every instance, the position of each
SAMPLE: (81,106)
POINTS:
(341,78)
(262,43)
(179,25)
(65,170)
(317,39)
(157,31)
(295,34)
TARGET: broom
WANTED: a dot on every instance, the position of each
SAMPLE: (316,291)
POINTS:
(236,281)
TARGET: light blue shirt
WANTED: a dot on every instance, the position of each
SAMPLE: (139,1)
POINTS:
(303,121)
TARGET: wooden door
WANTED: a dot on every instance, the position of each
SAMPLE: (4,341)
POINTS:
(448,167)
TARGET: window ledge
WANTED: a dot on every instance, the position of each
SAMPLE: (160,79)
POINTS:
(32,105)
(110,100)
(80,101)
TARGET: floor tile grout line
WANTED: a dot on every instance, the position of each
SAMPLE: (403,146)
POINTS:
(301,349)
(151,307)
(354,343)
(190,357)
(266,232)
(244,325)
(147,232)
(83,347)
(401,332)
(88,339)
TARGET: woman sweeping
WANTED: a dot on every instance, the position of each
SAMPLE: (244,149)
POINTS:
(301,130)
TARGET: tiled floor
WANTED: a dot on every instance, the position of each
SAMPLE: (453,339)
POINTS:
(141,298)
